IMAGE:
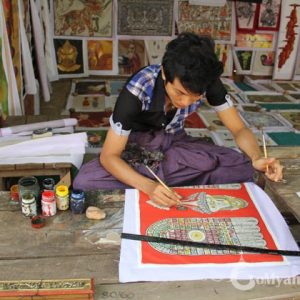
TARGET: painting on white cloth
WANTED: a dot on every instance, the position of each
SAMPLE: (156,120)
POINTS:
(235,214)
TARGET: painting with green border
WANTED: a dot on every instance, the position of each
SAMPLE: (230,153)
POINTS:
(285,138)
(280,106)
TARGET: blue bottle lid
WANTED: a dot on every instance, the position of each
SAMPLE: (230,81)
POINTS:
(77,194)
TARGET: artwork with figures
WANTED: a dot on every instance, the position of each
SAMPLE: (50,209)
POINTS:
(269,15)
(131,56)
(213,215)
(214,21)
(145,17)
(70,57)
(100,55)
(246,15)
(228,214)
(83,18)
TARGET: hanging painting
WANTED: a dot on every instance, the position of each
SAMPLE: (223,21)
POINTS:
(224,54)
(82,18)
(243,60)
(70,57)
(288,40)
(155,49)
(214,21)
(263,63)
(131,56)
(269,15)
(246,16)
(145,17)
(100,57)
(232,214)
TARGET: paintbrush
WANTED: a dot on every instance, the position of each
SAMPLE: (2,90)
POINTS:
(158,179)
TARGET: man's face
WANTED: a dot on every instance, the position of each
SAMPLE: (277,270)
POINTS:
(179,96)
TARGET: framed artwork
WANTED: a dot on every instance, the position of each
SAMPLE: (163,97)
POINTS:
(224,54)
(131,56)
(90,87)
(288,41)
(100,57)
(235,214)
(292,117)
(255,40)
(204,135)
(280,106)
(264,120)
(215,21)
(270,97)
(263,63)
(83,18)
(243,60)
(211,120)
(88,103)
(155,50)
(91,119)
(71,58)
(145,17)
(269,15)
(246,16)
(95,138)
(285,138)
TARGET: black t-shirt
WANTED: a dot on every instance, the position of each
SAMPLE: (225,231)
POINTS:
(128,109)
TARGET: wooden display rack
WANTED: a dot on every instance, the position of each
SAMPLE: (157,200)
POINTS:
(36,169)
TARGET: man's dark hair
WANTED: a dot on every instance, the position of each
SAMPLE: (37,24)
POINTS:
(191,58)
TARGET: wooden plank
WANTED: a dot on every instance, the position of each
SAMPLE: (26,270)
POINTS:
(102,267)
(29,166)
(57,165)
(201,289)
(14,121)
(7,168)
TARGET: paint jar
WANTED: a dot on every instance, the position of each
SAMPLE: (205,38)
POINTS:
(77,202)
(14,193)
(48,204)
(28,204)
(48,184)
(62,197)
(29,184)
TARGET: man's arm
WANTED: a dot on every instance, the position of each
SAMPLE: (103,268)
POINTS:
(110,158)
(247,142)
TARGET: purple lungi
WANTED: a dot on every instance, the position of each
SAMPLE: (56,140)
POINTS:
(178,160)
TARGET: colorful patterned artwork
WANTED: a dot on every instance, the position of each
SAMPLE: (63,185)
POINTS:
(91,119)
(95,138)
(243,60)
(83,18)
(236,214)
(214,21)
(145,17)
(89,103)
(268,98)
(255,40)
(225,216)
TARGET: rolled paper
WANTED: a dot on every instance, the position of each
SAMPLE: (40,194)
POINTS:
(6,131)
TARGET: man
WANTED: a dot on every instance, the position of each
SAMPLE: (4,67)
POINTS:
(147,129)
